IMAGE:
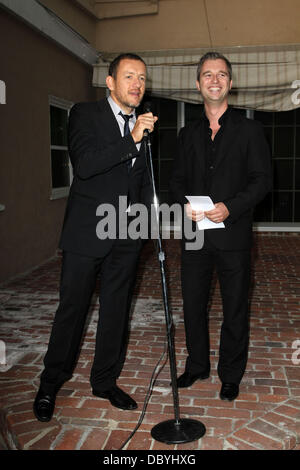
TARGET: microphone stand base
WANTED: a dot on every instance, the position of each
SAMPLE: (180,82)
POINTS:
(178,431)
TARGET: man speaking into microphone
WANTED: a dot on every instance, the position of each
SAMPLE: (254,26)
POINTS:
(108,162)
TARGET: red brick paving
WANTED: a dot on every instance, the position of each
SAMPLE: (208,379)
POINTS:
(264,417)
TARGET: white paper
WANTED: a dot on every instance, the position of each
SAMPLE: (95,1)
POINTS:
(204,203)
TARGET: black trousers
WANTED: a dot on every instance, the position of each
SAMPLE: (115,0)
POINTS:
(79,273)
(233,270)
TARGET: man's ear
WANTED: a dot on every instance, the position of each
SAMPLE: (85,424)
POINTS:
(198,85)
(110,82)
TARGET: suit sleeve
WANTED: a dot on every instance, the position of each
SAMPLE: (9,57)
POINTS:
(258,174)
(87,158)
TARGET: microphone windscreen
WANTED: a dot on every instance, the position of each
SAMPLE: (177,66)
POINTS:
(147,107)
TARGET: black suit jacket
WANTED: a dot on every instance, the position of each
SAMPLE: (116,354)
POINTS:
(98,153)
(240,179)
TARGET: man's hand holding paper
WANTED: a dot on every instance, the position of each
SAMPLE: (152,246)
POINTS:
(195,215)
(202,210)
(218,214)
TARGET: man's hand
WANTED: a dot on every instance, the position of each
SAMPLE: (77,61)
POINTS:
(218,214)
(196,216)
(143,122)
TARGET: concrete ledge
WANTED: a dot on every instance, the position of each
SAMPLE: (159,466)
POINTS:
(276,227)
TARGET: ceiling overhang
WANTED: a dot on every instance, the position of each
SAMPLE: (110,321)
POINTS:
(105,9)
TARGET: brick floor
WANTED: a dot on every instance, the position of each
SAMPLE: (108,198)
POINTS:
(265,415)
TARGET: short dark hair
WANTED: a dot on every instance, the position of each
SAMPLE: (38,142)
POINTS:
(113,68)
(213,56)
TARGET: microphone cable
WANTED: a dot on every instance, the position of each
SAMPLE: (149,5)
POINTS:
(148,395)
(153,379)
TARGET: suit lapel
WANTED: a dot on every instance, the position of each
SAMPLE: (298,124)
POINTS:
(108,121)
(112,130)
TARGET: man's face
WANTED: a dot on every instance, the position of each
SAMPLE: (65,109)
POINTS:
(214,83)
(128,87)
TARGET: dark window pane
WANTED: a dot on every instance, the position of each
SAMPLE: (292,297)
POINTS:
(58,123)
(283,142)
(242,112)
(284,117)
(297,207)
(156,173)
(263,211)
(297,141)
(283,174)
(166,167)
(297,174)
(168,141)
(297,111)
(164,197)
(60,168)
(264,117)
(167,113)
(155,144)
(192,112)
(283,207)
(166,217)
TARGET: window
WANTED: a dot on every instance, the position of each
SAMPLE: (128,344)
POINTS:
(61,168)
(163,144)
(282,131)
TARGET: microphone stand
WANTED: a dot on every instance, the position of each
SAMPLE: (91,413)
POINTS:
(177,430)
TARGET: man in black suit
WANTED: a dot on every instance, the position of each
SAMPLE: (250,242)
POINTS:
(225,156)
(108,163)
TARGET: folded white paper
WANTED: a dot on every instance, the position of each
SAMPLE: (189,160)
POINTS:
(204,203)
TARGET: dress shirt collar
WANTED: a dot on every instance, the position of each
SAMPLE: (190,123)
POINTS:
(222,119)
(116,108)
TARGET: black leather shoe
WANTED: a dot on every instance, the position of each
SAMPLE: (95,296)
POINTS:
(229,391)
(117,398)
(186,379)
(43,406)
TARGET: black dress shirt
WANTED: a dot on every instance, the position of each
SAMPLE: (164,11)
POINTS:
(212,147)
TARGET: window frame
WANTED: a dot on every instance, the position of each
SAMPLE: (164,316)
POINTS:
(63,191)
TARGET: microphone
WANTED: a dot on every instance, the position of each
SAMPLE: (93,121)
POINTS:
(147,109)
